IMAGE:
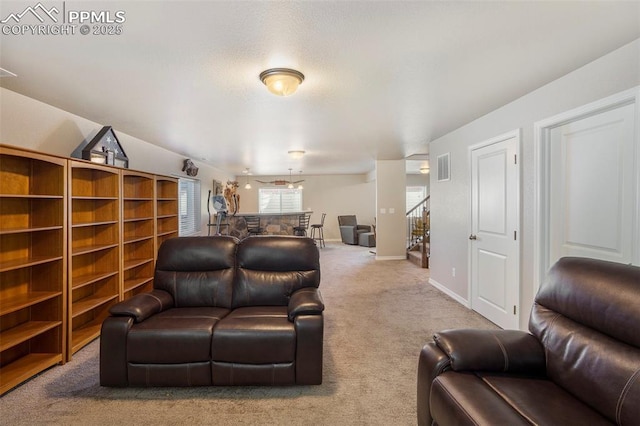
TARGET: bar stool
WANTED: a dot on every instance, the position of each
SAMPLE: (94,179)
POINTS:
(253,225)
(303,225)
(320,228)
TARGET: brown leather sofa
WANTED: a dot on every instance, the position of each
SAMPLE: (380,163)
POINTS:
(579,365)
(222,312)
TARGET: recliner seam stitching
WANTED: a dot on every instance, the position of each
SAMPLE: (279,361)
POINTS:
(504,353)
(458,404)
(623,395)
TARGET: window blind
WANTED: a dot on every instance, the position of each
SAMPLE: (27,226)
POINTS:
(279,200)
(189,197)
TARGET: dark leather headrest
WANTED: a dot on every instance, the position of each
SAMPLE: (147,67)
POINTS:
(599,294)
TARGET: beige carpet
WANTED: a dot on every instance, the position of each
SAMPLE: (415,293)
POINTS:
(378,316)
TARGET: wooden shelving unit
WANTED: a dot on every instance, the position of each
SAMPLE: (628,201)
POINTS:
(75,238)
(166,209)
(94,249)
(33,271)
(138,242)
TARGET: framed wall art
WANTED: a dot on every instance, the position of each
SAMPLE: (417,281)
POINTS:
(105,148)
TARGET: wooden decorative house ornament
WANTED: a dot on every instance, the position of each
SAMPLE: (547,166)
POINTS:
(105,148)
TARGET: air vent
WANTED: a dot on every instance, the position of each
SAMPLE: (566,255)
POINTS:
(444,164)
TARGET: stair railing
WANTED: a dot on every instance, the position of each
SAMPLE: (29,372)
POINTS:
(418,225)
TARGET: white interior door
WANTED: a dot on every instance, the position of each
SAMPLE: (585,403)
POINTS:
(495,249)
(592,190)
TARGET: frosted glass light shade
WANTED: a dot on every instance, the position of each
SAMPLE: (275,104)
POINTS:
(282,81)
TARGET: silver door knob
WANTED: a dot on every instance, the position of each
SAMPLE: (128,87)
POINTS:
(473,237)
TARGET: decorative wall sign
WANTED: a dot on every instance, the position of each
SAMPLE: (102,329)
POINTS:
(189,168)
(105,148)
(217,187)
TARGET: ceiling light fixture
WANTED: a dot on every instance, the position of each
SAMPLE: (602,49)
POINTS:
(246,172)
(424,170)
(282,81)
(296,154)
(300,184)
(290,186)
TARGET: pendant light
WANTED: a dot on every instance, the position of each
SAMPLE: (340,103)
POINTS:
(290,186)
(247,185)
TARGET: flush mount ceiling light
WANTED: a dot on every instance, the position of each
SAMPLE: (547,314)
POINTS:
(281,81)
(296,155)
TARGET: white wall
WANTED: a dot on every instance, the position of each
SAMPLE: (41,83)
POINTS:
(334,195)
(28,123)
(450,201)
(391,235)
(418,180)
(31,124)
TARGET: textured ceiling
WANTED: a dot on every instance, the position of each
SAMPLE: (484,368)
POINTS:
(382,78)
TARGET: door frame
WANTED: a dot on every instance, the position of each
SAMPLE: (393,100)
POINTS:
(517,134)
(541,165)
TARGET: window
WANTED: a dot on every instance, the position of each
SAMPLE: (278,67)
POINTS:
(415,194)
(279,200)
(189,197)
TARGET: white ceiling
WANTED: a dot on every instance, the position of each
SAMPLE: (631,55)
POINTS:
(382,78)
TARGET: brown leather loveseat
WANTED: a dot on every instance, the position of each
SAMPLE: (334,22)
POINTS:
(580,365)
(222,312)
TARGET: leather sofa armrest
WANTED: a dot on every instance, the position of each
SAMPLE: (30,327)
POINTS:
(509,351)
(431,363)
(143,305)
(366,228)
(306,301)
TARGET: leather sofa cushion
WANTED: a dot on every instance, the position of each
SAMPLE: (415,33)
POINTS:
(191,374)
(197,271)
(271,268)
(463,399)
(255,335)
(232,374)
(470,399)
(177,335)
(580,289)
(599,370)
(543,402)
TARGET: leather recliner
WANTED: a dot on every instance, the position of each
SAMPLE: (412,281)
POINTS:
(350,230)
(222,312)
(579,365)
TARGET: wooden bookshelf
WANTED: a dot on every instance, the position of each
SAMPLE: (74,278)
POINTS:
(94,249)
(138,249)
(33,271)
(75,238)
(166,209)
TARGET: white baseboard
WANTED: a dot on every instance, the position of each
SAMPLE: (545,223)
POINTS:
(391,257)
(448,292)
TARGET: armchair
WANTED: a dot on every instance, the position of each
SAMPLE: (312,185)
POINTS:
(350,230)
(579,364)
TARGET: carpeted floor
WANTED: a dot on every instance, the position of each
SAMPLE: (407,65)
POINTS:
(378,315)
